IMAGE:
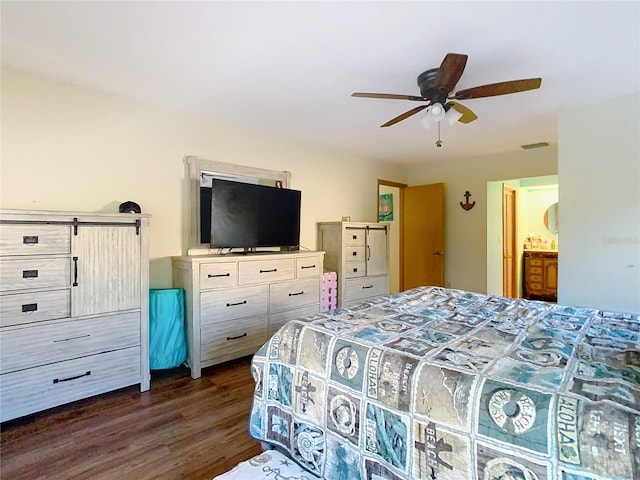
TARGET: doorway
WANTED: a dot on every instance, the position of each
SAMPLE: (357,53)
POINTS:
(509,288)
(416,253)
(534,195)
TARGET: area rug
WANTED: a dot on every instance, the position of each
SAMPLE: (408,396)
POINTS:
(269,465)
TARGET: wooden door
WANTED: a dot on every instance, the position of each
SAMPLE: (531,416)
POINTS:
(509,285)
(423,236)
(105,269)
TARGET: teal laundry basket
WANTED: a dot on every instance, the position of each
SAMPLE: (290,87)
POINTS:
(167,343)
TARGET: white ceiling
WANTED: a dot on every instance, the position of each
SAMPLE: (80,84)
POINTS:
(289,68)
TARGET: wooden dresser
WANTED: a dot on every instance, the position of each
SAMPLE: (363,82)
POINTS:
(540,275)
(73,307)
(234,302)
(358,252)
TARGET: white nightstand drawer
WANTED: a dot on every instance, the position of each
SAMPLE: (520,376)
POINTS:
(34,389)
(287,295)
(221,305)
(55,341)
(23,308)
(31,273)
(35,239)
(233,339)
(264,271)
(310,266)
(358,288)
(215,275)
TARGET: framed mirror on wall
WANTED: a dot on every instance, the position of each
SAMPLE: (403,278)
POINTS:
(551,219)
(200,172)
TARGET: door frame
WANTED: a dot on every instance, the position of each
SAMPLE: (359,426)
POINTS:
(400,187)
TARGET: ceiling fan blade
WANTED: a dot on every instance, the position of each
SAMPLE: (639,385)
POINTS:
(399,118)
(467,115)
(391,96)
(502,88)
(450,72)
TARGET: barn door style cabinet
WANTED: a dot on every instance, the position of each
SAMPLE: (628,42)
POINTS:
(74,303)
(358,252)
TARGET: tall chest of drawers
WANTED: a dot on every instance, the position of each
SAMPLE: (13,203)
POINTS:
(73,307)
(358,252)
(235,302)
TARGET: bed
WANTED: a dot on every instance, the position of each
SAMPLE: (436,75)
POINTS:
(436,383)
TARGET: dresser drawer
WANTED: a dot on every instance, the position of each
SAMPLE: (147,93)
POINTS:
(220,305)
(535,262)
(310,266)
(35,389)
(55,341)
(355,269)
(355,237)
(287,295)
(359,288)
(354,254)
(216,275)
(23,308)
(35,239)
(233,339)
(263,271)
(277,320)
(535,271)
(31,273)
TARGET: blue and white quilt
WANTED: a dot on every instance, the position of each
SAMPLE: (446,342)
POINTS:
(436,383)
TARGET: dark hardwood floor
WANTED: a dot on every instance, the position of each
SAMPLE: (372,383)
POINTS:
(181,428)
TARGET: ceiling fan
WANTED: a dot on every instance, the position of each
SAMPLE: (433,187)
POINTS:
(437,90)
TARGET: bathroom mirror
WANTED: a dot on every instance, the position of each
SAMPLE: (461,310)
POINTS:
(551,218)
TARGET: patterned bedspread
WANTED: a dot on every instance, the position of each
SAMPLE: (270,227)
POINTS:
(437,383)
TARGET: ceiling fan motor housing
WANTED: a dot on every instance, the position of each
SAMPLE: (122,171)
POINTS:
(426,82)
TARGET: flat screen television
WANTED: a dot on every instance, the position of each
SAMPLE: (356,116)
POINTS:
(245,215)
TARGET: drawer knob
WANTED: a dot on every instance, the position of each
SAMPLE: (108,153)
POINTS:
(68,379)
(307,266)
(30,239)
(354,253)
(269,271)
(297,293)
(236,338)
(355,269)
(219,275)
(30,274)
(234,304)
(369,286)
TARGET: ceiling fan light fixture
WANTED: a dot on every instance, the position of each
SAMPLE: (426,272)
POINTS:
(437,111)
(426,119)
(453,116)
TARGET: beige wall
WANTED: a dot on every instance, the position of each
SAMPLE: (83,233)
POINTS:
(69,148)
(599,182)
(466,230)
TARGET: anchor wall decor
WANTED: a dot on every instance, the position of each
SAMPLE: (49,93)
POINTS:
(467,205)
